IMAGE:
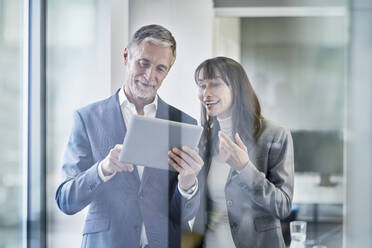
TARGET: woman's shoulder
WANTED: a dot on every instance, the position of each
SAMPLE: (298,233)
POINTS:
(273,131)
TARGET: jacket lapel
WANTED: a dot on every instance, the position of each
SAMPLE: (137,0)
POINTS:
(119,135)
(119,128)
(162,112)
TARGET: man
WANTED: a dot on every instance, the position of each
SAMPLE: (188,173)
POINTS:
(130,206)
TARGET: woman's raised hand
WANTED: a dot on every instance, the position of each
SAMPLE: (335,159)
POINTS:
(235,154)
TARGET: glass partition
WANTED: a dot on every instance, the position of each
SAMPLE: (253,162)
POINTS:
(78,73)
(11,177)
(297,65)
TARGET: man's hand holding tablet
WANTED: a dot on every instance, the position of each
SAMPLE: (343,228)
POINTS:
(158,143)
(111,163)
(188,163)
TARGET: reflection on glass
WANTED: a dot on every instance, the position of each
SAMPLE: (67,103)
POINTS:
(10,127)
(78,66)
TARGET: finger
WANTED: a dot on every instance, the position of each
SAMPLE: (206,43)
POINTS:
(174,165)
(226,138)
(175,154)
(230,144)
(224,153)
(126,167)
(222,148)
(226,145)
(194,154)
(114,164)
(240,142)
(115,153)
(118,147)
(122,166)
(190,162)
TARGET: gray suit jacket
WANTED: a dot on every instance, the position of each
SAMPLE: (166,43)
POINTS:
(261,194)
(118,207)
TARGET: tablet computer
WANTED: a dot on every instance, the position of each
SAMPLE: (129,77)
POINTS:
(148,140)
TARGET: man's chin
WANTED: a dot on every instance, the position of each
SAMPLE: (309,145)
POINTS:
(144,95)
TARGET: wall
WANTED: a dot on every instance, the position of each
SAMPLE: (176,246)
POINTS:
(191,23)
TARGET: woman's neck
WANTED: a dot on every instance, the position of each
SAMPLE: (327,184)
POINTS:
(226,125)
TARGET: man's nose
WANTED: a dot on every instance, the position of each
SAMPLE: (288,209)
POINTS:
(150,73)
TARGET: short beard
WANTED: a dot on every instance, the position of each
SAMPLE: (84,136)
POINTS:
(137,93)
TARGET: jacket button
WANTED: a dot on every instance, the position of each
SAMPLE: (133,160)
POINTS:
(233,225)
(243,186)
(188,205)
(229,203)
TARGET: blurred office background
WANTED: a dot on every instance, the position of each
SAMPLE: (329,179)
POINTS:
(309,62)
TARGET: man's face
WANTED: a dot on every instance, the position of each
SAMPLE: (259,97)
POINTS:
(147,65)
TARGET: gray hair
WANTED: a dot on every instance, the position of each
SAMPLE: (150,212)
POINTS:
(157,35)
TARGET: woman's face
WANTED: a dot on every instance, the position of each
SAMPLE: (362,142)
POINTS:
(216,96)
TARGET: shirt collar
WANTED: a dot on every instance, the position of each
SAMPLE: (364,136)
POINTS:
(123,100)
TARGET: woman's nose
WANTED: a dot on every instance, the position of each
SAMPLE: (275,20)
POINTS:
(207,92)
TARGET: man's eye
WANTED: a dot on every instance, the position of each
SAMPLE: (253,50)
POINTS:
(161,69)
(144,64)
(202,86)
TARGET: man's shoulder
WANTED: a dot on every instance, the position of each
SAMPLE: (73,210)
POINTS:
(184,117)
(98,107)
(176,114)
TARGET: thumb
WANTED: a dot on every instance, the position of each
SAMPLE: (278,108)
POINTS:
(240,142)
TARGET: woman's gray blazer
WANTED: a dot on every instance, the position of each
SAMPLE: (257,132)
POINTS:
(261,194)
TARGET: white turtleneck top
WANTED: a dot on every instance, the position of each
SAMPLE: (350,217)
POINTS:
(219,172)
(219,234)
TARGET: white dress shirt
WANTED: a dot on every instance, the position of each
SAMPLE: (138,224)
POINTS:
(128,109)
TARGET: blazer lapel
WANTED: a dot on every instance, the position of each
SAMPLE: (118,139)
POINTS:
(162,111)
(232,173)
(116,118)
(147,173)
(119,134)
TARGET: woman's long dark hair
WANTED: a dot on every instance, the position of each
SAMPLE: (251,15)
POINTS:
(246,110)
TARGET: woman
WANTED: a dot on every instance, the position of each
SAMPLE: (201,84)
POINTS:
(248,161)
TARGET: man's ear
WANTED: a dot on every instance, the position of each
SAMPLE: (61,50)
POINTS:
(126,55)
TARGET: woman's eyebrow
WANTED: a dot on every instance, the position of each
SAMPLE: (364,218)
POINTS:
(213,78)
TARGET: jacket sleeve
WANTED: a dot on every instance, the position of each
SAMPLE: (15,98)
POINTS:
(183,210)
(273,191)
(82,180)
